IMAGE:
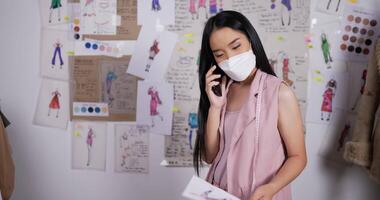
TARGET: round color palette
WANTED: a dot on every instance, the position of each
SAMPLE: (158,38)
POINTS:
(363,31)
(373,22)
(353,39)
(365,51)
(87,45)
(361,40)
(347,28)
(76,109)
(350,18)
(365,21)
(83,109)
(90,109)
(351,48)
(358,20)
(358,50)
(97,110)
(345,37)
(370,33)
(355,29)
(368,42)
(343,47)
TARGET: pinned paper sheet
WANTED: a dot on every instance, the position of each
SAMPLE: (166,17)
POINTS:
(99,17)
(55,51)
(132,148)
(103,82)
(88,143)
(154,106)
(152,53)
(199,189)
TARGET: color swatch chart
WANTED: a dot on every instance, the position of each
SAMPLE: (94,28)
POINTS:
(90,109)
(358,33)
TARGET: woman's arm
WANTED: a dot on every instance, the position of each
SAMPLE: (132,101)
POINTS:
(291,131)
(212,134)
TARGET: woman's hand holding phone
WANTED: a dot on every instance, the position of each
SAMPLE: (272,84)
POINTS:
(215,88)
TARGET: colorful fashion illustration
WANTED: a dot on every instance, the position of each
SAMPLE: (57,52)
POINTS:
(153,51)
(212,7)
(110,78)
(363,81)
(206,195)
(327,101)
(325,45)
(89,8)
(193,125)
(285,68)
(329,4)
(55,5)
(57,51)
(286,4)
(154,102)
(89,142)
(156,5)
(54,103)
(192,9)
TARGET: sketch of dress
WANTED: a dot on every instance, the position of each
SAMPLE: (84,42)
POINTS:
(154,102)
(213,7)
(153,51)
(111,76)
(55,5)
(193,124)
(89,142)
(57,51)
(89,8)
(285,68)
(54,102)
(206,195)
(326,50)
(327,101)
(202,5)
(192,9)
(288,6)
(156,5)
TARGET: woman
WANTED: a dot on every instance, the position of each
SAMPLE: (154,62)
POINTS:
(252,133)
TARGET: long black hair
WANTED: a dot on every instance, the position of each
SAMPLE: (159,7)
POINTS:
(235,21)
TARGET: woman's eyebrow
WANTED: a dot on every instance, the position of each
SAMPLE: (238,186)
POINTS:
(233,41)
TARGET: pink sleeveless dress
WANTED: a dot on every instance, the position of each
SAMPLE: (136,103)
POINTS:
(255,151)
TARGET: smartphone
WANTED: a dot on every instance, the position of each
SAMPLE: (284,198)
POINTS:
(217,89)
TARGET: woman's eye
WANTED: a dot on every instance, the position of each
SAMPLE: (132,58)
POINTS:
(218,56)
(236,47)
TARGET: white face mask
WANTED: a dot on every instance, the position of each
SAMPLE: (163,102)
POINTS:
(240,66)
